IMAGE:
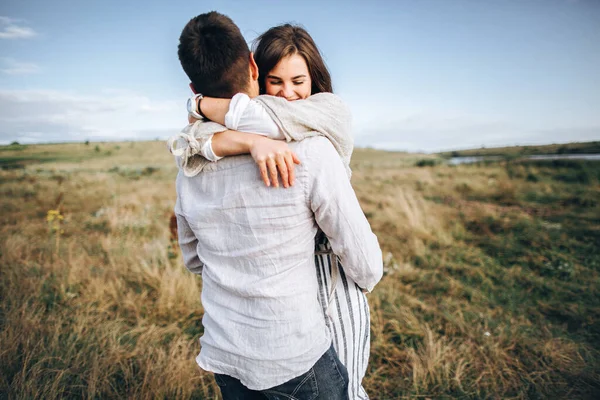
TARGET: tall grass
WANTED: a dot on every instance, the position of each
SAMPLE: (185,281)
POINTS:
(490,289)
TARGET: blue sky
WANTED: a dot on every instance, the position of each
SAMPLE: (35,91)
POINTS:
(420,75)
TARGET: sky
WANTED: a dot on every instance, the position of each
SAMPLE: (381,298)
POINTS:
(418,75)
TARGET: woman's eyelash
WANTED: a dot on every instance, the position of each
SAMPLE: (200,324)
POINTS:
(279,82)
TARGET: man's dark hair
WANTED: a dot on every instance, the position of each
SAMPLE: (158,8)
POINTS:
(214,55)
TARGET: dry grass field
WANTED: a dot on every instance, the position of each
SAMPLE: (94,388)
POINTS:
(491,286)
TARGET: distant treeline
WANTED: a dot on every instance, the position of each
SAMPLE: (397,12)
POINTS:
(568,148)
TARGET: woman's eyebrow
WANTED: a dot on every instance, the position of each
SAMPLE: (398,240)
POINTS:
(293,78)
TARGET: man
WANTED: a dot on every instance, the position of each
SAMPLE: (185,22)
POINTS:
(264,331)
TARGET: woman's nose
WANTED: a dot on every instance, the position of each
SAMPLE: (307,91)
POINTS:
(287,91)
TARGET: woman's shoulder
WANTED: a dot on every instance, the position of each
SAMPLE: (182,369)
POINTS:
(325,96)
(319,97)
(332,101)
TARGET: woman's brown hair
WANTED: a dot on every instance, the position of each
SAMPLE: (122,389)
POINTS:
(283,41)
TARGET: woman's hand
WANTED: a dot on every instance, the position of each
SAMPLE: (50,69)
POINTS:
(273,156)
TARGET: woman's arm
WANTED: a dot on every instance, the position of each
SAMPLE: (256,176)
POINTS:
(248,122)
(323,114)
(240,114)
(271,156)
(214,109)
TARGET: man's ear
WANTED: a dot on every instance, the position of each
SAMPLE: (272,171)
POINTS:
(253,68)
(192,87)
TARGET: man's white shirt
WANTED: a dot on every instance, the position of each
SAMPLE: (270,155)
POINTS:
(254,246)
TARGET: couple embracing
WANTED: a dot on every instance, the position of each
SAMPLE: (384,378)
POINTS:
(284,269)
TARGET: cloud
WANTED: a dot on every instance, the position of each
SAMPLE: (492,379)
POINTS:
(11,28)
(13,67)
(30,116)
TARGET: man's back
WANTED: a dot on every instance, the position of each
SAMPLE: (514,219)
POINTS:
(263,322)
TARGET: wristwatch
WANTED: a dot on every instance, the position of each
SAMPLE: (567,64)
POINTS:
(193,106)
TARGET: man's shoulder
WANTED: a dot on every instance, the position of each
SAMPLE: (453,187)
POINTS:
(314,147)
(316,153)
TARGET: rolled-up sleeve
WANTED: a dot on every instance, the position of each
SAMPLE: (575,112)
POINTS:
(188,243)
(339,215)
(246,115)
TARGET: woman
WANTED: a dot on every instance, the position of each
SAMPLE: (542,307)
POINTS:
(291,67)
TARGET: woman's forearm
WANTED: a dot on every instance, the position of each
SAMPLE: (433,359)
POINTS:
(232,143)
(240,114)
(214,108)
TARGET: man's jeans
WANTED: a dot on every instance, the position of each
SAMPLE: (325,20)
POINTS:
(327,379)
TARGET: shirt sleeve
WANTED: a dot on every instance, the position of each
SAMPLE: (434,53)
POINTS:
(207,151)
(246,115)
(338,214)
(188,243)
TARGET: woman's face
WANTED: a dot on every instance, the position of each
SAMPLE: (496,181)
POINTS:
(289,79)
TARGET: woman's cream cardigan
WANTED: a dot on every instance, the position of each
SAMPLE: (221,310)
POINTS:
(321,114)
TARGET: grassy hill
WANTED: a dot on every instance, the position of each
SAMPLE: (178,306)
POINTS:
(568,148)
(491,285)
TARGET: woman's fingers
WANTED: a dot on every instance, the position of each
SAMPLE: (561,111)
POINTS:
(282,166)
(262,166)
(272,166)
(274,157)
(289,163)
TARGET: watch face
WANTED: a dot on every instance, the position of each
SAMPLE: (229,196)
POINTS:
(190,105)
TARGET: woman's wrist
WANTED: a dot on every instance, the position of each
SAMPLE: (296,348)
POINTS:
(251,140)
(214,109)
(199,107)
(192,108)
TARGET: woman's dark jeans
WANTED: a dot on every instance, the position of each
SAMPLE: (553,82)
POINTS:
(327,379)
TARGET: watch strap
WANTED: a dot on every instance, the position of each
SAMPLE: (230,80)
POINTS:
(194,107)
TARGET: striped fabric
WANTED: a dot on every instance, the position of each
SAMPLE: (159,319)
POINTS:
(346,312)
